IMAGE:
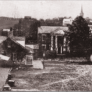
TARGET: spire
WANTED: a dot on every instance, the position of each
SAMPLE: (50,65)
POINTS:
(81,14)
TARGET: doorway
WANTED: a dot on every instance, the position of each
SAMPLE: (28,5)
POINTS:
(60,44)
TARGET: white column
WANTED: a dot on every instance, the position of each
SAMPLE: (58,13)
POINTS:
(56,43)
(61,50)
(64,41)
(68,47)
(51,42)
(64,44)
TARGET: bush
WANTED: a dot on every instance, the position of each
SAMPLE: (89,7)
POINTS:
(8,64)
(50,54)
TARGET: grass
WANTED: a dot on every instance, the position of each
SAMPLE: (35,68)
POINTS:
(65,77)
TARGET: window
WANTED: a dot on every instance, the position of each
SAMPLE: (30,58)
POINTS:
(8,44)
(43,37)
(14,56)
(3,52)
(47,47)
(43,46)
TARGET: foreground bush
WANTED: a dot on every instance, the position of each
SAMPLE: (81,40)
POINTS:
(50,54)
(6,64)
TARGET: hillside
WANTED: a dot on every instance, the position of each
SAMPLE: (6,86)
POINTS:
(6,22)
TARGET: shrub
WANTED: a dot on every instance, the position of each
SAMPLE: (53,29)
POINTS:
(9,64)
(50,54)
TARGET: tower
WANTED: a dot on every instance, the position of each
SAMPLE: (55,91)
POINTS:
(81,13)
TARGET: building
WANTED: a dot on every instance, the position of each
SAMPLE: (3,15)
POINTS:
(7,30)
(33,50)
(81,13)
(15,48)
(53,38)
(2,39)
(20,40)
(90,29)
(90,20)
(67,21)
(27,27)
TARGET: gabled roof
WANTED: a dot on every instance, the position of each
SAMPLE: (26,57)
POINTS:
(3,57)
(29,49)
(17,43)
(20,40)
(58,32)
(15,38)
(50,29)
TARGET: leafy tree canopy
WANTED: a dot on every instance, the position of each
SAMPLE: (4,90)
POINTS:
(79,32)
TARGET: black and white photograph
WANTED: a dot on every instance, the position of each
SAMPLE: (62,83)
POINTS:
(45,45)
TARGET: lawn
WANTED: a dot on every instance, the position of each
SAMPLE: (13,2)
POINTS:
(63,75)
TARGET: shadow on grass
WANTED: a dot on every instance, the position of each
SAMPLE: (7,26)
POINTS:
(80,63)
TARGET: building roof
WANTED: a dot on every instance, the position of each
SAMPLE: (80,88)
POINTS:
(2,38)
(17,43)
(58,32)
(20,40)
(50,29)
(67,21)
(29,49)
(15,38)
(3,57)
(8,30)
(32,46)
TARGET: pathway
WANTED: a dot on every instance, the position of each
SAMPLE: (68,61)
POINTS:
(37,64)
(3,76)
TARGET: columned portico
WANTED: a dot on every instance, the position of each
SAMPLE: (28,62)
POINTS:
(56,43)
(59,42)
(64,44)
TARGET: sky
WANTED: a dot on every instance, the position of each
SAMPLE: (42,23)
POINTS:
(45,8)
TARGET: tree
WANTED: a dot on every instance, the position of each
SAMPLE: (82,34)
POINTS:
(79,33)
(17,29)
(52,22)
(61,21)
(31,35)
(27,27)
